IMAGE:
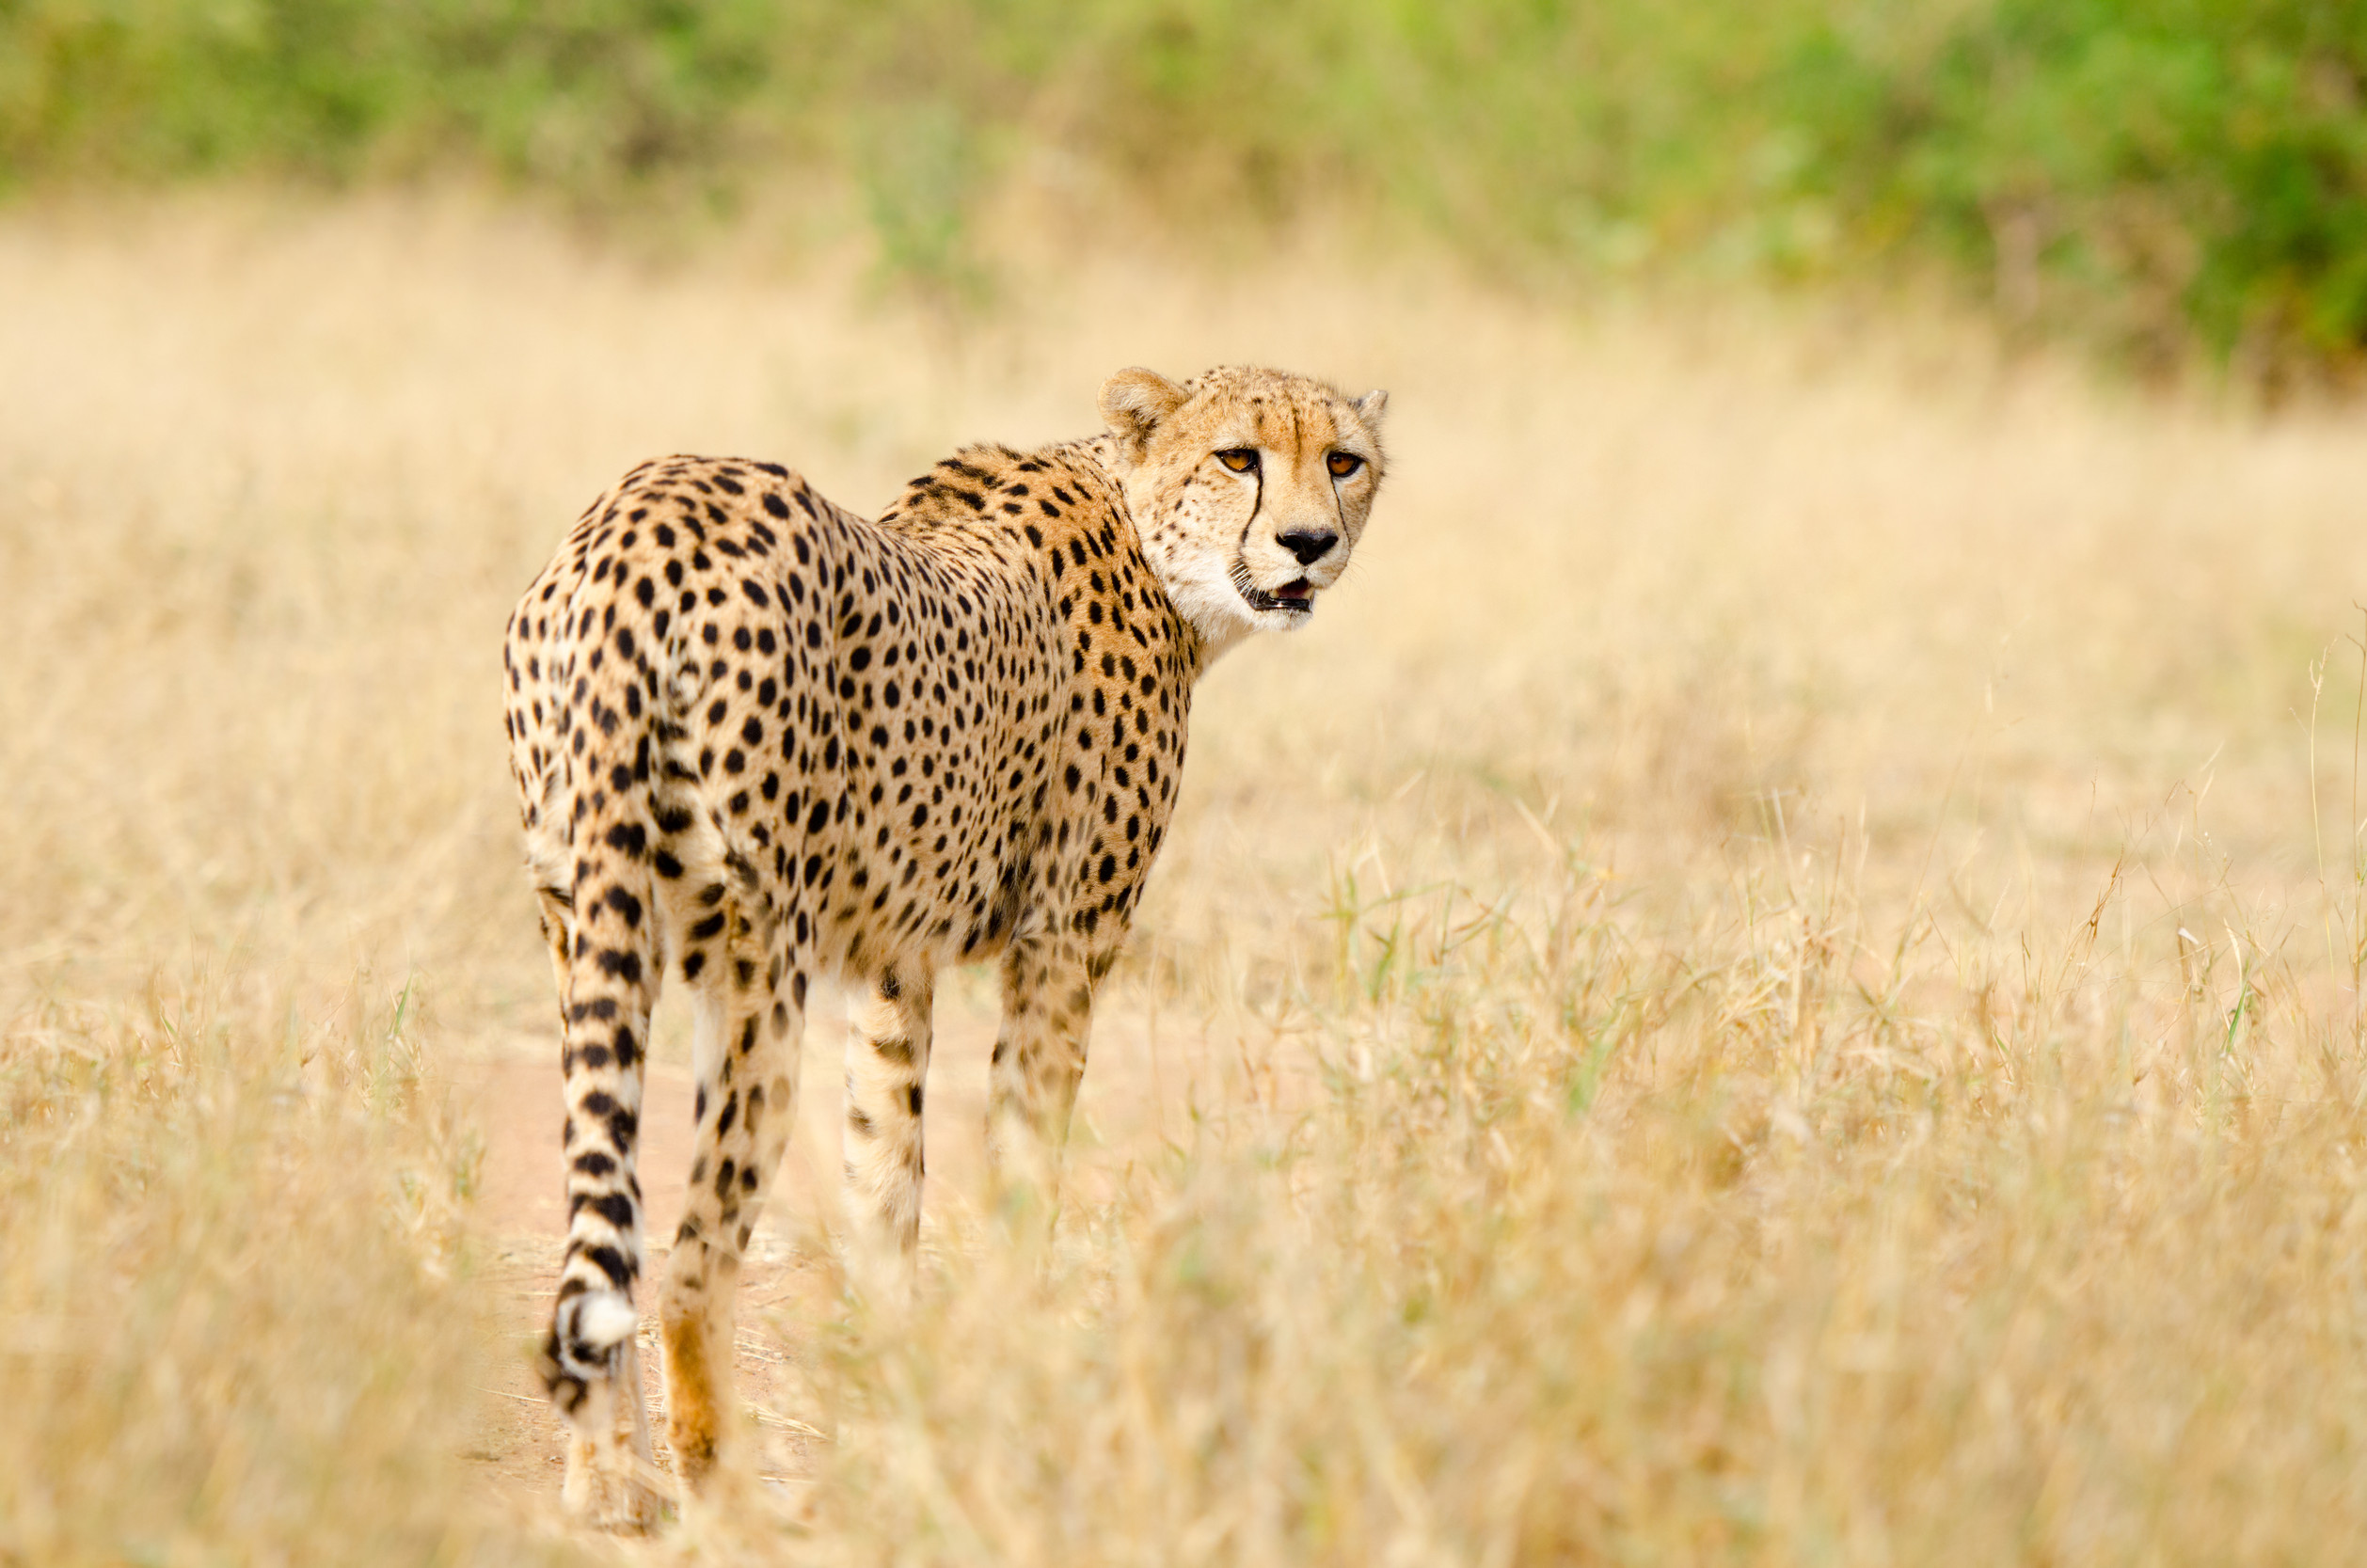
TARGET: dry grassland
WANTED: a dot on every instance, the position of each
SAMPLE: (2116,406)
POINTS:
(1774,980)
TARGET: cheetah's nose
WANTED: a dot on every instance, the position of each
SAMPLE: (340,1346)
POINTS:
(1308,547)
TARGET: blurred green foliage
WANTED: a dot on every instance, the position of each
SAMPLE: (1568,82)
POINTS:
(2164,176)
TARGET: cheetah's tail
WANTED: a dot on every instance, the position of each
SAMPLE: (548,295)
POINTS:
(613,968)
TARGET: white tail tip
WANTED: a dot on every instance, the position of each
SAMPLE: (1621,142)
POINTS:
(606,1318)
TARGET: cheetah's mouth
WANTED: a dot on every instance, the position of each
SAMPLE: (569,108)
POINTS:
(1296,596)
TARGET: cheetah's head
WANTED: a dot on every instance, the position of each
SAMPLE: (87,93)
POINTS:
(1249,488)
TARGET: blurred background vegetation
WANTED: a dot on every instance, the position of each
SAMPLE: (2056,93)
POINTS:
(2178,182)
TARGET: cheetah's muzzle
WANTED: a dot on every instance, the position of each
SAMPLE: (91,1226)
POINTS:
(1297,595)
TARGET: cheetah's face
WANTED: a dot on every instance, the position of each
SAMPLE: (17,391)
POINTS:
(1249,487)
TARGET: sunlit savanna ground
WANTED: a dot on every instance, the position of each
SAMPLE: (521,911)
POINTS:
(1772,979)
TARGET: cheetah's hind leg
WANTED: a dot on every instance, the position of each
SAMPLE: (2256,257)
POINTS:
(748,1019)
(590,1360)
(612,1480)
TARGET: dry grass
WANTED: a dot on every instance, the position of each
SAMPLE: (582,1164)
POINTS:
(1781,963)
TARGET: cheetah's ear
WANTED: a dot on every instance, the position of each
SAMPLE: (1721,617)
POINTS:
(1372,405)
(1135,401)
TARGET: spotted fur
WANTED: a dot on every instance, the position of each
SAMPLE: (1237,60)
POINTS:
(759,741)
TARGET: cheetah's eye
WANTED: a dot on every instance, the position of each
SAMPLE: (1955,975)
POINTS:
(1342,464)
(1241,460)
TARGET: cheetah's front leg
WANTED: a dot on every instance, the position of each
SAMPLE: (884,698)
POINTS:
(887,1069)
(1038,1062)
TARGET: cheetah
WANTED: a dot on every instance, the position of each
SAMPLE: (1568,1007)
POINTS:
(759,741)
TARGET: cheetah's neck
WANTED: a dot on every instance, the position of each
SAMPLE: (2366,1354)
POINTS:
(1213,624)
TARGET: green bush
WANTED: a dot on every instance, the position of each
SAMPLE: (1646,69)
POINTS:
(2167,177)
(2194,170)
